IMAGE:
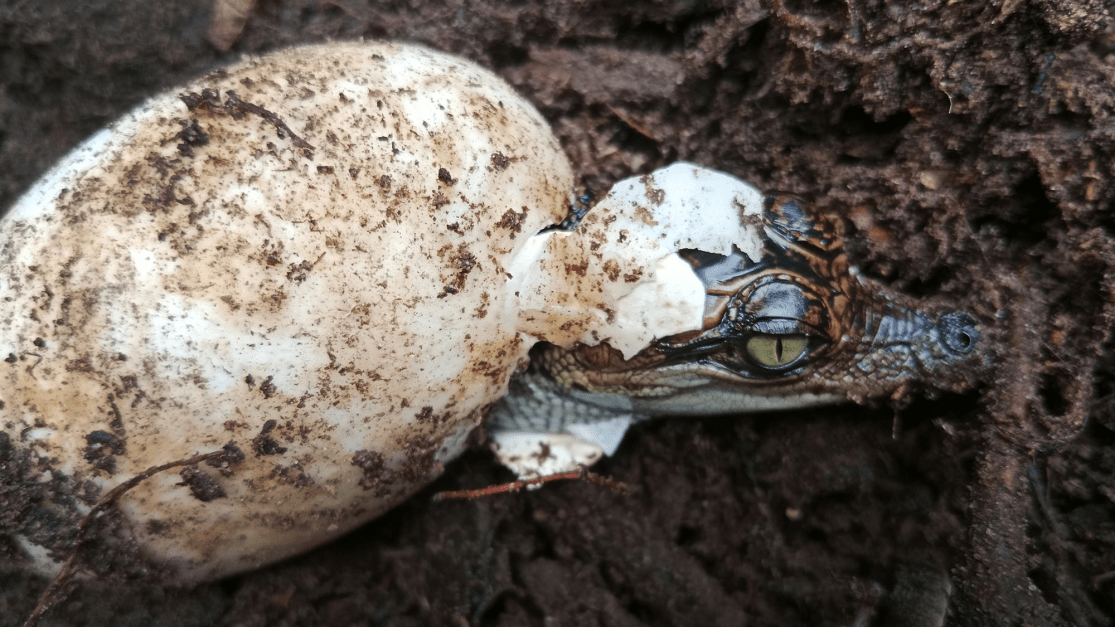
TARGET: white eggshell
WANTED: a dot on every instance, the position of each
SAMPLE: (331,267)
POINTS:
(632,287)
(534,455)
(329,250)
(624,283)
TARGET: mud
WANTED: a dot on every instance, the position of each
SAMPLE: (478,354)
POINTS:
(967,144)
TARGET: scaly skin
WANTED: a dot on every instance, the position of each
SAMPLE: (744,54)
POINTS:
(857,341)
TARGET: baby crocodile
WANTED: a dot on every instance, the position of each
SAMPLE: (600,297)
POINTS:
(797,327)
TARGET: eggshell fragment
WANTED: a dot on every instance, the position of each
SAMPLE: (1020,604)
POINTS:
(623,280)
(634,232)
(305,255)
(534,455)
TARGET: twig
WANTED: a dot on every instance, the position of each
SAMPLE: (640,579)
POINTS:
(210,100)
(49,596)
(1102,578)
(581,473)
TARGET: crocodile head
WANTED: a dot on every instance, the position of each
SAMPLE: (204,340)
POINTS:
(789,323)
(798,326)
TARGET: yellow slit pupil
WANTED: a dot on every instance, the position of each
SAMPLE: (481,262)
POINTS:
(774,351)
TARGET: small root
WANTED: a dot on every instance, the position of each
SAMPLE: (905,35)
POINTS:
(582,474)
(53,593)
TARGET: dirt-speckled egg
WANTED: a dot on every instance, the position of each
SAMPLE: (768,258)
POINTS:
(305,255)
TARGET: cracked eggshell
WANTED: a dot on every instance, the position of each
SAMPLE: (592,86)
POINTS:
(308,260)
(624,282)
(632,287)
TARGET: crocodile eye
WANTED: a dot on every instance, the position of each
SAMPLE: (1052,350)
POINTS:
(776,351)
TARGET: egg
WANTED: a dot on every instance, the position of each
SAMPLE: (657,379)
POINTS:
(326,262)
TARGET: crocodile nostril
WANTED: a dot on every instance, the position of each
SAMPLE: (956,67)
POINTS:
(959,333)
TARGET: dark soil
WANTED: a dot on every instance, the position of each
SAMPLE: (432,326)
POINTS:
(970,145)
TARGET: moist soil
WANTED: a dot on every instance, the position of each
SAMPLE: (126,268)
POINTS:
(968,144)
